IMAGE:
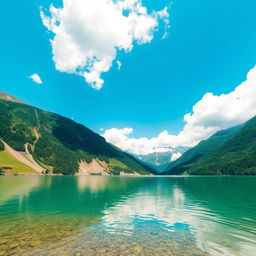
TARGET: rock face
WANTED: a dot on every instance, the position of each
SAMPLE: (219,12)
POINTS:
(98,167)
(94,167)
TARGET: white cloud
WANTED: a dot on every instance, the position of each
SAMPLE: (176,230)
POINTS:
(164,14)
(211,114)
(88,34)
(36,78)
(119,65)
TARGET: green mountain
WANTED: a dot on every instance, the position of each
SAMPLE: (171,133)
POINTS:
(56,144)
(229,152)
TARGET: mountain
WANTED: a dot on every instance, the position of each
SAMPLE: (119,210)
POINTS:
(230,152)
(203,148)
(46,142)
(160,160)
(8,97)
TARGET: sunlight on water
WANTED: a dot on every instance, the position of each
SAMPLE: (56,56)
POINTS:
(127,215)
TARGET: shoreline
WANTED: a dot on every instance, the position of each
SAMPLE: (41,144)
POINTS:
(125,175)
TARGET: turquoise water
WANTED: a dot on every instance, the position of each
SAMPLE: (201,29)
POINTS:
(96,215)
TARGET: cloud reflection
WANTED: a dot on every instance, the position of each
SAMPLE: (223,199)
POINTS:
(175,210)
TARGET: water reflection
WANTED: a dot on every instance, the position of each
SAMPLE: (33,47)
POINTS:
(12,186)
(222,225)
(94,215)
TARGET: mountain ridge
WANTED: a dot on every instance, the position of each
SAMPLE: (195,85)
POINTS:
(8,97)
(58,144)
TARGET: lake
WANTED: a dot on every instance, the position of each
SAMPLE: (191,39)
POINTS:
(97,215)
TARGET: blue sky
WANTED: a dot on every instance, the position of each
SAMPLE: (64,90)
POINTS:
(210,48)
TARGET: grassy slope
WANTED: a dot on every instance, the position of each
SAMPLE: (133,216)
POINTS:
(7,160)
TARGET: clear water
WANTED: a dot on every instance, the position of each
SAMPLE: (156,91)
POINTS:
(95,215)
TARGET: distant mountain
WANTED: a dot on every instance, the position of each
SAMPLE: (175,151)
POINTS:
(160,160)
(229,152)
(47,142)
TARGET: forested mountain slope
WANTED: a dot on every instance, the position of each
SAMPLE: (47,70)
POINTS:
(59,144)
(231,152)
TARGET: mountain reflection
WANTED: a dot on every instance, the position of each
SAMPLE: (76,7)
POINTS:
(12,186)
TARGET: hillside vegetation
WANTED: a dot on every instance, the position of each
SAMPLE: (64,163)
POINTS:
(228,152)
(59,143)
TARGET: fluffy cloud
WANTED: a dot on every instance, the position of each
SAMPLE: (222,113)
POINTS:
(89,33)
(212,113)
(36,78)
(119,65)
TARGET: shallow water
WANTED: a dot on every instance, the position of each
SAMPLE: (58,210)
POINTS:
(96,215)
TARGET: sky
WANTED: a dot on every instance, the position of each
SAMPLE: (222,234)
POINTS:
(147,75)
